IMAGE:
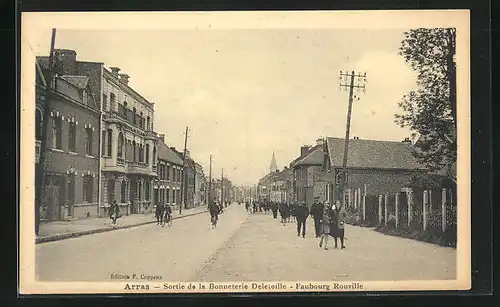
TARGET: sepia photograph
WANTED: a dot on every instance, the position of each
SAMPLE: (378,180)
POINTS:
(245,152)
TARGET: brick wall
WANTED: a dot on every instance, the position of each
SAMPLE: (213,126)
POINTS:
(60,161)
(379,181)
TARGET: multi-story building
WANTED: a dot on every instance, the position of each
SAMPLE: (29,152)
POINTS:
(128,145)
(127,141)
(71,165)
(307,177)
(167,186)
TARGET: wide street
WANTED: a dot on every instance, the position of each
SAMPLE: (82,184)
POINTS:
(243,248)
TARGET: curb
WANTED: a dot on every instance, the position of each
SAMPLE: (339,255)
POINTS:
(64,236)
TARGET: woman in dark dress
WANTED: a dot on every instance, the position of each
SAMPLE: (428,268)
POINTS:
(338,223)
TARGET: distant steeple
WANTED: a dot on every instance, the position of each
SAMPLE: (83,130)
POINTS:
(273,167)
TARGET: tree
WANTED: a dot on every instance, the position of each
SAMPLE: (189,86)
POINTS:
(430,110)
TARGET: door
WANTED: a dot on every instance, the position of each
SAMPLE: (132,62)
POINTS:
(111,191)
(54,198)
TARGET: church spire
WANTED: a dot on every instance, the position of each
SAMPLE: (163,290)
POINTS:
(273,167)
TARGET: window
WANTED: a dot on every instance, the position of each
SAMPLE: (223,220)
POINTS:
(38,123)
(134,146)
(72,137)
(88,188)
(141,153)
(147,154)
(168,196)
(174,174)
(110,142)
(112,101)
(154,155)
(123,191)
(135,117)
(147,124)
(88,141)
(103,143)
(56,133)
(71,188)
(147,188)
(168,173)
(104,103)
(120,145)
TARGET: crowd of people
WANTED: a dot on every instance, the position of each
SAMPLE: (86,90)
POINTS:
(329,219)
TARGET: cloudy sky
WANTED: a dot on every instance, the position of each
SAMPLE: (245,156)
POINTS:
(247,93)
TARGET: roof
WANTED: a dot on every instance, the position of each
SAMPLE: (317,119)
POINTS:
(373,154)
(314,157)
(167,154)
(78,81)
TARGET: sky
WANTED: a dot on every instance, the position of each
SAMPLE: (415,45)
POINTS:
(246,93)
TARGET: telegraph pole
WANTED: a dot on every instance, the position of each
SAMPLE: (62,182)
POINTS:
(222,188)
(184,177)
(210,182)
(39,194)
(361,78)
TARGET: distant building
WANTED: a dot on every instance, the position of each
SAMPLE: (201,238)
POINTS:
(199,185)
(307,180)
(167,186)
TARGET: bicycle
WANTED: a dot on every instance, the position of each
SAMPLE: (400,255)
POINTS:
(167,219)
(214,219)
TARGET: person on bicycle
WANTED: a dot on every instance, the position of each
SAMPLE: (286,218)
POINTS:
(214,210)
(168,212)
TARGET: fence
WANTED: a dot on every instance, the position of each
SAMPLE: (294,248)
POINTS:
(414,210)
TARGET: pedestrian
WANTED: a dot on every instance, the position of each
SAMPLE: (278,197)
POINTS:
(114,212)
(274,208)
(317,212)
(326,221)
(301,214)
(284,212)
(338,223)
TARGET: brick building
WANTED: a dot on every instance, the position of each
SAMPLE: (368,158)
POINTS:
(307,177)
(378,166)
(127,146)
(167,186)
(72,148)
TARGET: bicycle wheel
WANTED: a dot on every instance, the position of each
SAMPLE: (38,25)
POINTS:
(169,221)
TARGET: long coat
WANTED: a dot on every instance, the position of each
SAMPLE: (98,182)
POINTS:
(338,223)
(326,221)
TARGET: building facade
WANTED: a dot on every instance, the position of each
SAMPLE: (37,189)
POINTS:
(373,167)
(129,154)
(167,186)
(71,166)
(127,145)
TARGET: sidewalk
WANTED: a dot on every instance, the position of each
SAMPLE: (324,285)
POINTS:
(59,230)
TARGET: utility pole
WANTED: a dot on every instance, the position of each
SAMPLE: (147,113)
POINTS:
(184,177)
(40,193)
(222,188)
(351,86)
(210,182)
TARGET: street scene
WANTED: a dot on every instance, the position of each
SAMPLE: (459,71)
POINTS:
(221,155)
(244,247)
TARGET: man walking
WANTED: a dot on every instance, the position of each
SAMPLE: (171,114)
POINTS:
(301,214)
(317,214)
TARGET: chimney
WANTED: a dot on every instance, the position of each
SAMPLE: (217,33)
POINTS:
(65,61)
(304,150)
(124,78)
(162,137)
(114,71)
(188,154)
(319,141)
